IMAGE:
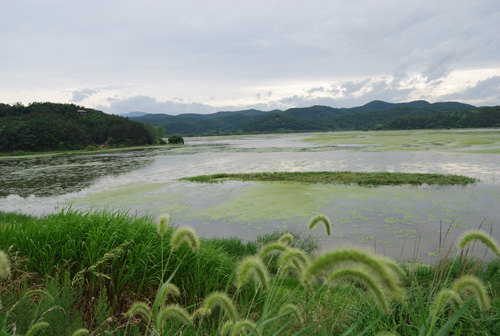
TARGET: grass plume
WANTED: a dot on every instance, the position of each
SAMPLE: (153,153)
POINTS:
(474,285)
(474,235)
(324,263)
(323,219)
(252,266)
(219,299)
(367,281)
(185,235)
(272,248)
(174,311)
(286,239)
(4,265)
(163,224)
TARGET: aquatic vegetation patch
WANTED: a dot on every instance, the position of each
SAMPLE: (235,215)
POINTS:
(342,177)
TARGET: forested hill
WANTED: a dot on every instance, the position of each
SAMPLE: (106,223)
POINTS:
(50,126)
(376,115)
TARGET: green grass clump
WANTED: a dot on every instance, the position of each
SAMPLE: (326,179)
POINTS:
(342,177)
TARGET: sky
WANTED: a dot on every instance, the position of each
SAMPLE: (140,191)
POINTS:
(204,56)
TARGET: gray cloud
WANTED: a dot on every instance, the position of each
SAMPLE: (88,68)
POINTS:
(79,95)
(484,92)
(151,105)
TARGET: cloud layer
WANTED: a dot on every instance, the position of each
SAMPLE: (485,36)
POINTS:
(198,56)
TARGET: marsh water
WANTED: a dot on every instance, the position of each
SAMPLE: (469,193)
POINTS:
(404,222)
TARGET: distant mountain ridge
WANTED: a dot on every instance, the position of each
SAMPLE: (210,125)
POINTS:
(373,115)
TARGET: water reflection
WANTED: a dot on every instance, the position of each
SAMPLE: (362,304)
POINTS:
(57,175)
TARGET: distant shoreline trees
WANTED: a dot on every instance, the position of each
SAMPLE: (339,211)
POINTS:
(40,127)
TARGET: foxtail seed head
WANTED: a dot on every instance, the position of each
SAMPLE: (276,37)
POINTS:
(34,329)
(325,220)
(252,266)
(444,297)
(473,284)
(272,248)
(163,224)
(366,280)
(141,309)
(185,235)
(221,300)
(473,235)
(292,310)
(174,311)
(286,239)
(4,265)
(244,327)
(80,332)
(295,256)
(324,263)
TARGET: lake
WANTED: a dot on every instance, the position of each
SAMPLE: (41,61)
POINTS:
(403,221)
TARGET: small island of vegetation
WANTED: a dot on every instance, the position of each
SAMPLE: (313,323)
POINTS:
(341,177)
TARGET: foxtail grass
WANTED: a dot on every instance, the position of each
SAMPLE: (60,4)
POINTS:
(252,267)
(185,235)
(321,219)
(273,248)
(367,281)
(473,285)
(219,299)
(474,235)
(4,265)
(324,263)
(286,239)
(291,309)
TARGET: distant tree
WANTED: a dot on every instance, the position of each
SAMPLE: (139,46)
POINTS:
(175,139)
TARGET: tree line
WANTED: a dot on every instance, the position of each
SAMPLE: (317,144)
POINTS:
(50,127)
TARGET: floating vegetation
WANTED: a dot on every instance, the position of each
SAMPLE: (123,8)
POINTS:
(341,177)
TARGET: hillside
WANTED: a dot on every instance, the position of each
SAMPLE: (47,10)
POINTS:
(372,116)
(48,126)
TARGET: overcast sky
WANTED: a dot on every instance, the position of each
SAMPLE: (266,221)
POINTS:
(203,56)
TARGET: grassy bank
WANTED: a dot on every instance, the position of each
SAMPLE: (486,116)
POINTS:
(343,177)
(96,266)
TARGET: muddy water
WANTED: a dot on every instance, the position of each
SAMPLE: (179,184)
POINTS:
(404,222)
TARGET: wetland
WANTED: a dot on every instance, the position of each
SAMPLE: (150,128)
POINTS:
(402,221)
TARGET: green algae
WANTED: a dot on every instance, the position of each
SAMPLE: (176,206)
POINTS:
(445,140)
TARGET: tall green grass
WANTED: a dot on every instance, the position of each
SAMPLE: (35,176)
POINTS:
(100,265)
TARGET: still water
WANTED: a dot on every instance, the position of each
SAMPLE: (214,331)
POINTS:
(403,221)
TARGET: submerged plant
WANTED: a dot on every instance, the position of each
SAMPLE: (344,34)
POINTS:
(323,219)
(474,235)
(185,235)
(252,266)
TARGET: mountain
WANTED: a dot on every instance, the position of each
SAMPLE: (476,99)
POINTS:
(133,114)
(373,115)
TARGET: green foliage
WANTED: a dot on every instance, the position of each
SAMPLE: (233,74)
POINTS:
(41,127)
(176,139)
